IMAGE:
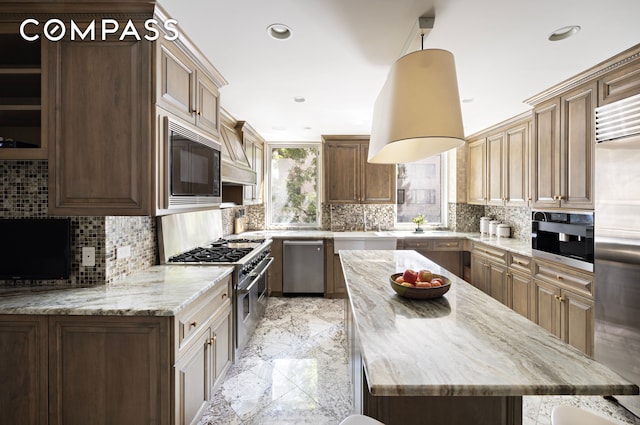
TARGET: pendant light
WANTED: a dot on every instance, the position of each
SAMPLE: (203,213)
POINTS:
(417,113)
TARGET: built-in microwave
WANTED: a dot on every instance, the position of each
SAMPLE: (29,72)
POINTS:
(192,168)
(564,237)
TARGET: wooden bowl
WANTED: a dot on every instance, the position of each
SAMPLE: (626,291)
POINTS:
(420,293)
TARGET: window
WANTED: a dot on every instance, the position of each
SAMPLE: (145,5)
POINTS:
(294,186)
(421,190)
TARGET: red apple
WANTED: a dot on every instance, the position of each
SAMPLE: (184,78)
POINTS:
(410,276)
(425,276)
(436,281)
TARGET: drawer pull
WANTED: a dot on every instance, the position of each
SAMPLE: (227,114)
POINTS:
(559,277)
(193,325)
(224,295)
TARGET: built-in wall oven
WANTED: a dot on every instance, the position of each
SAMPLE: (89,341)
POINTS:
(564,237)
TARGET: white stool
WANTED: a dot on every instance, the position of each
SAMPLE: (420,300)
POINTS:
(360,420)
(569,415)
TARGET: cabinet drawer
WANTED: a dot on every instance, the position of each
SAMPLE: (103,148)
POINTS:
(196,315)
(447,244)
(564,277)
(419,244)
(520,262)
(495,254)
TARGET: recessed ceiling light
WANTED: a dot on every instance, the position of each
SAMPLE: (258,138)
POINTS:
(308,128)
(564,32)
(299,99)
(279,31)
(468,100)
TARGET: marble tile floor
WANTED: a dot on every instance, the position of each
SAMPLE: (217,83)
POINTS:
(294,371)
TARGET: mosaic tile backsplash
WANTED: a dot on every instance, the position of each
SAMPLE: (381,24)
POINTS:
(23,185)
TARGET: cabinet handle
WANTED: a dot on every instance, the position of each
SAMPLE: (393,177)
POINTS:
(193,325)
(199,113)
(224,295)
(561,299)
(559,277)
(211,341)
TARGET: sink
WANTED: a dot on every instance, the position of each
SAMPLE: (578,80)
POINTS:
(363,240)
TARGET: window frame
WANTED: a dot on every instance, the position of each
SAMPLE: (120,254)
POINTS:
(269,205)
(444,199)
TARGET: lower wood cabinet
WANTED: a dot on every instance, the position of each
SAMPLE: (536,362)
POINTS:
(565,312)
(446,252)
(489,272)
(114,369)
(23,370)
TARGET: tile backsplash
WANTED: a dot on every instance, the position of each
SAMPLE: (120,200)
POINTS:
(23,185)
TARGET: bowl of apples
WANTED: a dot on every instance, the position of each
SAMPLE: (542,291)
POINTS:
(419,285)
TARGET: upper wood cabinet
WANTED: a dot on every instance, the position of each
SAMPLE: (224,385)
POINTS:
(185,90)
(563,150)
(101,159)
(106,129)
(350,179)
(23,92)
(619,84)
(498,165)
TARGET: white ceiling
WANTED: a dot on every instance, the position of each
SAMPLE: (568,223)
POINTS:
(341,52)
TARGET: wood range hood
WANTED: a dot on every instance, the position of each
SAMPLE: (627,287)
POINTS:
(235,167)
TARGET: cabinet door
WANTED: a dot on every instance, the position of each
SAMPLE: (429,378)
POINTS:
(175,91)
(101,157)
(450,260)
(495,159)
(222,344)
(479,273)
(258,167)
(497,282)
(207,105)
(578,147)
(620,84)
(192,371)
(545,170)
(23,370)
(249,189)
(476,186)
(547,308)
(517,166)
(342,165)
(339,285)
(378,182)
(521,290)
(578,321)
(108,370)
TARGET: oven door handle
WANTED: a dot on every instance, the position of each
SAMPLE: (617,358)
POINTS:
(257,278)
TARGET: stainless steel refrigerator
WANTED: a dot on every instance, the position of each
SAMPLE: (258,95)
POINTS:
(617,246)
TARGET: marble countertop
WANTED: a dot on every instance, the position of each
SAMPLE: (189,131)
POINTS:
(156,291)
(463,344)
(518,246)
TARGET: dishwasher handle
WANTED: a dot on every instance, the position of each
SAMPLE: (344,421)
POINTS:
(319,244)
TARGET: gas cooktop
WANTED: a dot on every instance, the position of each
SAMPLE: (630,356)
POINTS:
(220,251)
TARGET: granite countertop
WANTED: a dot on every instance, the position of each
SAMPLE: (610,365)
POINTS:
(518,246)
(463,344)
(156,291)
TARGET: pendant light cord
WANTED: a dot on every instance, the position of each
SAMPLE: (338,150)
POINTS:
(422,41)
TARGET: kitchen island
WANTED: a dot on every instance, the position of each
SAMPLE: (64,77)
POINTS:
(460,359)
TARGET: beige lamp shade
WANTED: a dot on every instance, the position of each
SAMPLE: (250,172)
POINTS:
(417,113)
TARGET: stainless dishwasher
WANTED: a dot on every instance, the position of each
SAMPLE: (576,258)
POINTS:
(303,267)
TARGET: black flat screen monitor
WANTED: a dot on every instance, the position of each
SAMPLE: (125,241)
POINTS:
(35,249)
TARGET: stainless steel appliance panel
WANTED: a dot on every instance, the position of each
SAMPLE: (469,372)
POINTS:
(303,267)
(617,261)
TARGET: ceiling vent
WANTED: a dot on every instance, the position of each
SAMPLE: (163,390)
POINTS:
(618,119)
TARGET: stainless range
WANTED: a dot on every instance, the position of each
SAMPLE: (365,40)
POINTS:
(196,239)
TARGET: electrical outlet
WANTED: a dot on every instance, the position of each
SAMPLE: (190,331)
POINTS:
(88,256)
(123,252)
